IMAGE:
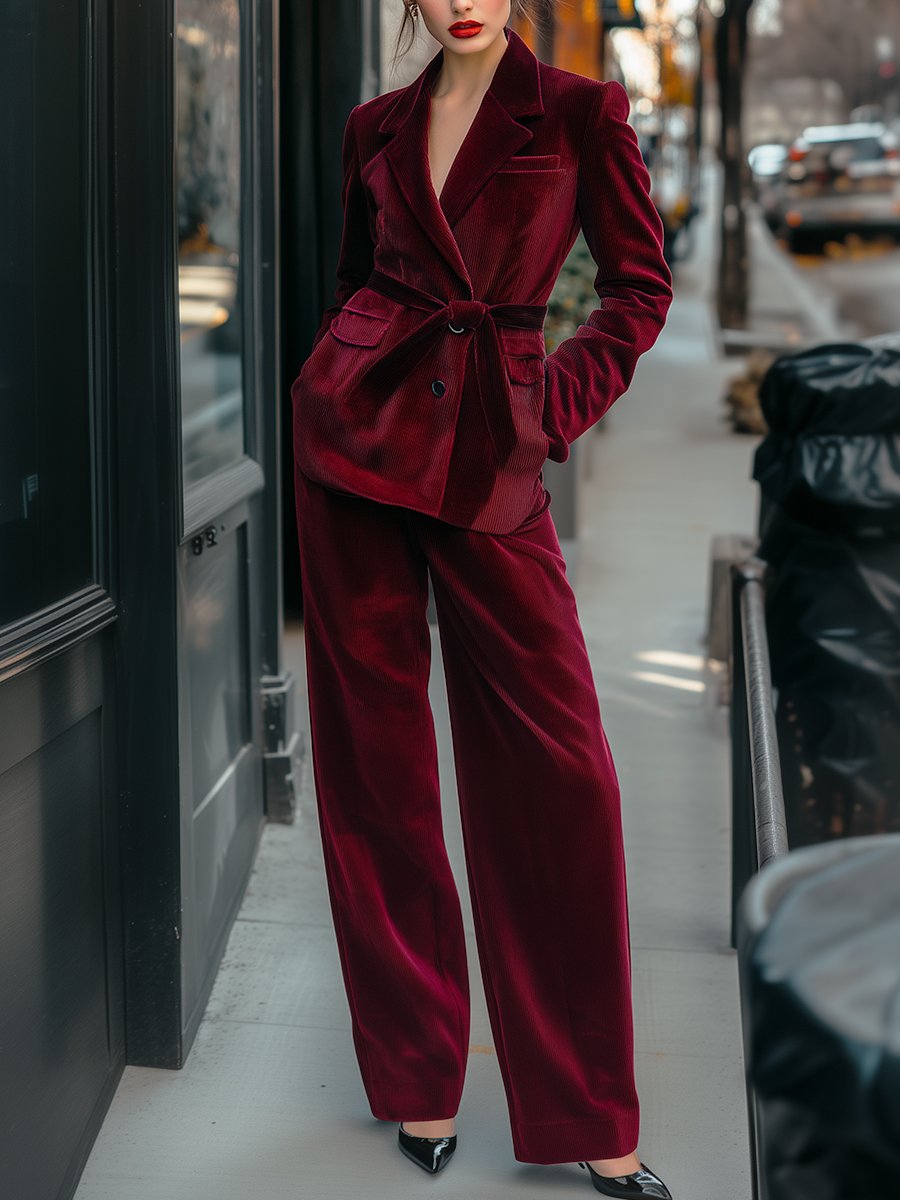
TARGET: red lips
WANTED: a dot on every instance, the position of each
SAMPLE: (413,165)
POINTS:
(466,28)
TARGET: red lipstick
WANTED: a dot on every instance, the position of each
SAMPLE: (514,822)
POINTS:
(463,29)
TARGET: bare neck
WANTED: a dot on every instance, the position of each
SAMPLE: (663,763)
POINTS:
(468,76)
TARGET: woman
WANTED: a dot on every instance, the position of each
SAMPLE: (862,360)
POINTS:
(422,419)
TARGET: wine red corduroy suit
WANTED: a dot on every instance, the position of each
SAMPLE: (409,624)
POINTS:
(422,420)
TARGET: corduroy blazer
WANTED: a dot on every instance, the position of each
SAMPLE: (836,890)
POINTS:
(428,384)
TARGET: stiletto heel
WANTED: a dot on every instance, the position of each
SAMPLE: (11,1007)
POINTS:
(638,1184)
(430,1153)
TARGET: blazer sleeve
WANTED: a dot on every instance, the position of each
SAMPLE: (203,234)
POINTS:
(588,372)
(356,255)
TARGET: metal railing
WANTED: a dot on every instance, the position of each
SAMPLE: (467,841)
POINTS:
(759,829)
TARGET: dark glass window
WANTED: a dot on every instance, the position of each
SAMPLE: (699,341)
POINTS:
(215,634)
(46,538)
(209,182)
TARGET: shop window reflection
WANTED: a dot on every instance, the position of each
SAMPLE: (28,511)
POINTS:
(209,189)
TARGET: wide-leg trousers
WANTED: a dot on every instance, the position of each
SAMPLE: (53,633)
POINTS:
(540,816)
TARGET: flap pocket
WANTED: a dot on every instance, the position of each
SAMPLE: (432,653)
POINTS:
(531,162)
(358,328)
(527,368)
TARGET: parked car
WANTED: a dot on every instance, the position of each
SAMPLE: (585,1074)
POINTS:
(765,161)
(836,179)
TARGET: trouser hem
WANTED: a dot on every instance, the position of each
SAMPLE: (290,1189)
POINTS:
(407,1102)
(575,1141)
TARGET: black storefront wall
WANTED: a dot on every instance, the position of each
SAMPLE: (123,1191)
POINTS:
(61,941)
(198,363)
(139,541)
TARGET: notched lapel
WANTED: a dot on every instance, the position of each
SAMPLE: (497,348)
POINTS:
(493,137)
(404,156)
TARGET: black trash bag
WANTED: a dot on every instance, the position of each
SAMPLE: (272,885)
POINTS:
(819,952)
(829,472)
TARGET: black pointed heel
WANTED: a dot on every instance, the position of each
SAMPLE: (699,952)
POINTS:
(430,1153)
(630,1187)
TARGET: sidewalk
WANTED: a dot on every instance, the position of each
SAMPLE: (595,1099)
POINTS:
(270,1101)
(786,312)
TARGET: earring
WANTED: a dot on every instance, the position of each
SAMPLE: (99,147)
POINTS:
(413,10)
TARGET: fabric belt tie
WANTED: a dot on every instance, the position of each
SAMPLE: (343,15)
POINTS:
(459,317)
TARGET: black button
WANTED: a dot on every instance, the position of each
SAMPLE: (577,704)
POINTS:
(438,387)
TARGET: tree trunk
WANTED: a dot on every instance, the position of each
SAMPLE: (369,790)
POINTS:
(733,278)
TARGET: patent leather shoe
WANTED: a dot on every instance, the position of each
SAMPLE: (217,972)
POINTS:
(642,1183)
(430,1153)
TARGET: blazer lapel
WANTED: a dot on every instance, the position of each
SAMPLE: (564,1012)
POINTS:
(494,135)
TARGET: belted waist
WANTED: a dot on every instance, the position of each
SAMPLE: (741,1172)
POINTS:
(468,312)
(460,317)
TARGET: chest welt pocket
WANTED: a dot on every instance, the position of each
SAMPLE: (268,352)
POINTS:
(530,162)
(358,328)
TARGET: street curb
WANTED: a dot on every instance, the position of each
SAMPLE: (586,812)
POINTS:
(818,321)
